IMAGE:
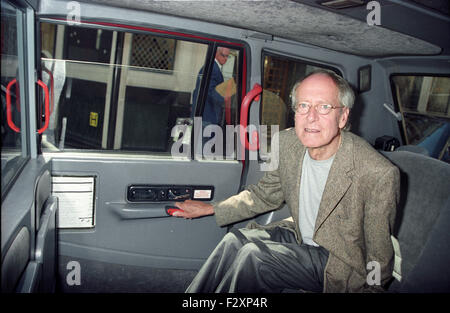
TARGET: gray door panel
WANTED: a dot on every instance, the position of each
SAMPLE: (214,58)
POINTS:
(18,228)
(160,242)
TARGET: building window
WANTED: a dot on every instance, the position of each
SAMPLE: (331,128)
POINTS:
(153,52)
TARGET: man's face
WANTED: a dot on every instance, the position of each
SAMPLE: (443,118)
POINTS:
(222,55)
(320,133)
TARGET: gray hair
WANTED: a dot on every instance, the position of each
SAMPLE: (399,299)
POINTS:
(346,96)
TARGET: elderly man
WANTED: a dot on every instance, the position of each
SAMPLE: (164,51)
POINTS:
(214,103)
(342,195)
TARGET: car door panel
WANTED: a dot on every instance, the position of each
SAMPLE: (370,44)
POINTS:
(126,238)
(116,104)
(19,233)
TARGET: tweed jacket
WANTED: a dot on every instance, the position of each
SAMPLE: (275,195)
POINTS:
(356,214)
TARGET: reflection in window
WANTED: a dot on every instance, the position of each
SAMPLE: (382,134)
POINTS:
(424,102)
(87,44)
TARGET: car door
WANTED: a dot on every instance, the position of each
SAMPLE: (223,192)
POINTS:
(28,212)
(124,141)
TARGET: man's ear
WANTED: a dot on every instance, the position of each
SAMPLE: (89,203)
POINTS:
(343,118)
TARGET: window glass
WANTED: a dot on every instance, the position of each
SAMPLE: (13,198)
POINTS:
(87,44)
(125,91)
(222,92)
(13,151)
(155,90)
(75,64)
(424,102)
(219,103)
(280,75)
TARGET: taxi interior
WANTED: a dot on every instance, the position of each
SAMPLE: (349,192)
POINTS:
(92,91)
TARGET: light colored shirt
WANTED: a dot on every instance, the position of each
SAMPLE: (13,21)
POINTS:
(312,185)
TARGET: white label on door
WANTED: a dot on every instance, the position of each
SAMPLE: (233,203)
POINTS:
(75,201)
(202,194)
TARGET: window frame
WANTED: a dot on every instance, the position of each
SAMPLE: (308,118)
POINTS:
(24,29)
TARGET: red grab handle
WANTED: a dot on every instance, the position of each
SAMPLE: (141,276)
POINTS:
(8,107)
(245,107)
(172,209)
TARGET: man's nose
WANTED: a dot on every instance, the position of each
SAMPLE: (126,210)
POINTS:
(312,115)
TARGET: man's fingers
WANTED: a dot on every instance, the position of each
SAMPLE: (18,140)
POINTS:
(181,214)
(177,214)
(190,209)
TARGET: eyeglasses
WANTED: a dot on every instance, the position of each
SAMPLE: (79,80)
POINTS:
(323,109)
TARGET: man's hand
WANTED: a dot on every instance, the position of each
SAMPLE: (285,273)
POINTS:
(193,209)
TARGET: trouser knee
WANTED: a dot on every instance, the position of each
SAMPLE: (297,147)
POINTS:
(230,241)
(249,251)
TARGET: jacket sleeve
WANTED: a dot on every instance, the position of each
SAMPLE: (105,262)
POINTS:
(379,218)
(262,197)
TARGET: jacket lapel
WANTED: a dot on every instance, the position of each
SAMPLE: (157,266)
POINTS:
(339,180)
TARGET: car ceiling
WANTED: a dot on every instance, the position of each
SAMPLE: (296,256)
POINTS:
(407,27)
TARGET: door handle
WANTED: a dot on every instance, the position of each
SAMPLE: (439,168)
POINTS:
(172,209)
(133,212)
(9,112)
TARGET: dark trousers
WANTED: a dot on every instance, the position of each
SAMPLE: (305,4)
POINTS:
(256,260)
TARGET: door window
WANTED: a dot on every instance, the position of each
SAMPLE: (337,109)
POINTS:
(125,91)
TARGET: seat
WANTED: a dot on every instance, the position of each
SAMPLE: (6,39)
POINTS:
(15,260)
(40,273)
(422,223)
(413,148)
